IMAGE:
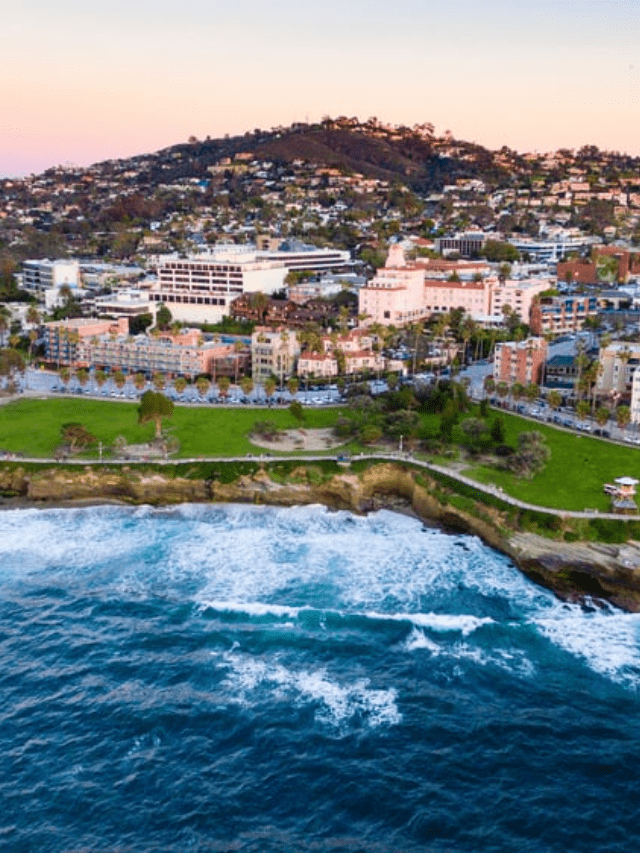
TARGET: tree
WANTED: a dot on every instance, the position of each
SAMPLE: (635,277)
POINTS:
(602,415)
(246,383)
(554,398)
(498,431)
(159,381)
(82,375)
(100,378)
(119,379)
(76,436)
(139,380)
(223,383)
(531,456)
(163,317)
(293,383)
(474,429)
(270,385)
(180,383)
(296,409)
(154,406)
(203,385)
(582,409)
(623,416)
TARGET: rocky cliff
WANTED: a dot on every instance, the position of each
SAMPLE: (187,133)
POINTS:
(574,571)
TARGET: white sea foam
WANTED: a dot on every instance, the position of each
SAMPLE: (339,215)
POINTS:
(280,563)
(441,622)
(513,661)
(335,704)
(607,640)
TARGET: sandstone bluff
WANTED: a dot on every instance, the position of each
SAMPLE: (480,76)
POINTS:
(574,571)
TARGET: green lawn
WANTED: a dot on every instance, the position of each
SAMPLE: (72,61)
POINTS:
(32,427)
(574,476)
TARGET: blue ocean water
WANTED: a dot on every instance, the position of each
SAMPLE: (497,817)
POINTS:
(217,678)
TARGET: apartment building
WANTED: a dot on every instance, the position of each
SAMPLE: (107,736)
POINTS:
(39,276)
(619,362)
(556,315)
(108,345)
(274,352)
(520,361)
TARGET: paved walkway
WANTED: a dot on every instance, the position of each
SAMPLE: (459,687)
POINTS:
(481,488)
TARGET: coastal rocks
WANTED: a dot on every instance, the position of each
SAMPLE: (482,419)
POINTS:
(573,570)
(124,484)
(580,570)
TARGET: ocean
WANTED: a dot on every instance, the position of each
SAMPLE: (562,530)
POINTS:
(239,678)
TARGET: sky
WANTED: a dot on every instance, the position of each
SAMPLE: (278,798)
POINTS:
(88,80)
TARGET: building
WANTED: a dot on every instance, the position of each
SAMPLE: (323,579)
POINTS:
(129,302)
(39,276)
(108,345)
(345,354)
(520,361)
(467,245)
(473,297)
(274,352)
(618,364)
(395,296)
(556,315)
(201,288)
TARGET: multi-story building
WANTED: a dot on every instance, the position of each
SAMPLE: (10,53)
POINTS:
(518,294)
(520,361)
(41,275)
(273,353)
(556,315)
(473,297)
(467,245)
(342,354)
(105,344)
(618,366)
(395,296)
(200,289)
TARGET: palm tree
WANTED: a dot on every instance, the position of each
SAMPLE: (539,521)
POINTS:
(159,381)
(180,383)
(270,385)
(623,416)
(82,375)
(33,316)
(246,383)
(119,379)
(100,378)
(602,415)
(139,381)
(223,383)
(203,385)
(293,383)
(554,398)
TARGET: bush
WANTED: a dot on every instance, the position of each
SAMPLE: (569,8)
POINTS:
(504,450)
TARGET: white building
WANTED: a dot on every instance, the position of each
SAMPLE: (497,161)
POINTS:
(200,289)
(39,276)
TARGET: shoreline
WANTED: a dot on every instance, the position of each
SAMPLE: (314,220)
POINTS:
(580,570)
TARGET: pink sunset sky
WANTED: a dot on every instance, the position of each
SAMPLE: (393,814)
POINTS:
(89,80)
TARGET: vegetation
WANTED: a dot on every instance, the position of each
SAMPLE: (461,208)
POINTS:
(154,407)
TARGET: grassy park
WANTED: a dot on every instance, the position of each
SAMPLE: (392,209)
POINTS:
(572,479)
